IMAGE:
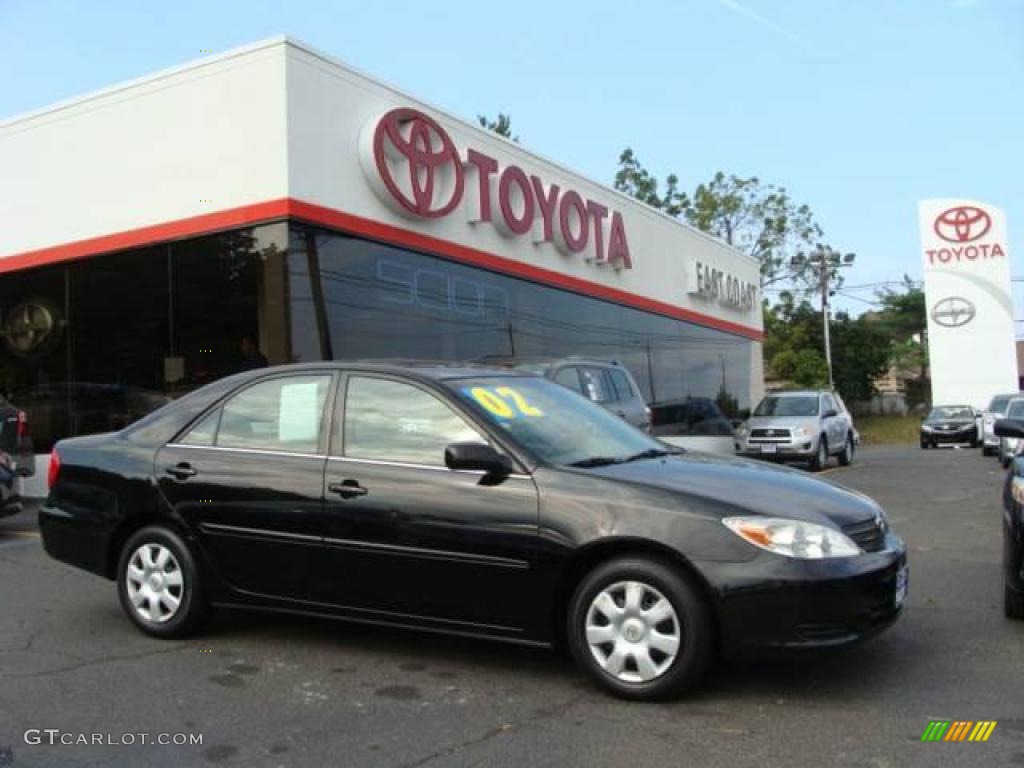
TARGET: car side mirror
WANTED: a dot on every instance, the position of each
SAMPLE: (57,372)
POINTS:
(829,414)
(477,457)
(1009,428)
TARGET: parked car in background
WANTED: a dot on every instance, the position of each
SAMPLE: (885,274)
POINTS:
(950,425)
(996,410)
(806,425)
(1012,428)
(1010,445)
(605,382)
(475,501)
(15,440)
(697,416)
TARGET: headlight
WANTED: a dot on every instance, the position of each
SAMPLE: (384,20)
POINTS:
(1017,489)
(792,538)
(925,428)
(741,430)
(801,432)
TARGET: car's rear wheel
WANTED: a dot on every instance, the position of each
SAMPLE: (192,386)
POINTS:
(639,629)
(1013,603)
(159,583)
(820,460)
(846,457)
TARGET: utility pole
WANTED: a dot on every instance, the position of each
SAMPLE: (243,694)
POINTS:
(824,259)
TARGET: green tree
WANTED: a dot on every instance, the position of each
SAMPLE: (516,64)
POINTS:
(861,352)
(502,126)
(758,218)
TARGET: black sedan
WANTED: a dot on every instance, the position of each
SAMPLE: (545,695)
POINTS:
(1013,525)
(951,425)
(470,501)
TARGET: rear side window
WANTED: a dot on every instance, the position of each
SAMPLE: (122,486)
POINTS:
(597,386)
(621,384)
(569,378)
(830,404)
(283,414)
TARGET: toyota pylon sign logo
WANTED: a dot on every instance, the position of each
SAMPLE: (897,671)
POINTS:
(962,224)
(418,171)
(972,349)
(418,163)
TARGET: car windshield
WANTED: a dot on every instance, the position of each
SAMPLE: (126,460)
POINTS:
(1016,410)
(554,423)
(788,405)
(951,412)
(999,403)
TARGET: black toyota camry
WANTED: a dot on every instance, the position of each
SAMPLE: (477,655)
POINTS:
(1013,524)
(471,501)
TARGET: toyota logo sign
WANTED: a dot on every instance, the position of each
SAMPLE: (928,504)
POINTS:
(963,224)
(953,312)
(418,163)
(418,171)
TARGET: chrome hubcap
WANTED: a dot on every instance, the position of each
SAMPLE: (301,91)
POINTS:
(155,583)
(632,631)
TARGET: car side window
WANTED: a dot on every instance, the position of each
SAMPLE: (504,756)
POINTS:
(828,404)
(570,378)
(621,383)
(596,385)
(204,432)
(389,420)
(282,414)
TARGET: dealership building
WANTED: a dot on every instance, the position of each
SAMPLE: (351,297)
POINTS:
(272,198)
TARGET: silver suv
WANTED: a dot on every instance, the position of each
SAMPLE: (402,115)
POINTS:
(606,382)
(996,410)
(809,425)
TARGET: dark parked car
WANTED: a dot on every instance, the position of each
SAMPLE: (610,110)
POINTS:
(473,501)
(950,424)
(1013,524)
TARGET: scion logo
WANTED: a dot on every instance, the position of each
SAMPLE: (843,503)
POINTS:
(953,312)
(963,224)
(418,163)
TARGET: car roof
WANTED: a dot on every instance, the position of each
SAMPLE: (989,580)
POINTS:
(428,369)
(800,392)
(510,361)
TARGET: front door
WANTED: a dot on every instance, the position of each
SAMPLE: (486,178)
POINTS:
(248,480)
(407,536)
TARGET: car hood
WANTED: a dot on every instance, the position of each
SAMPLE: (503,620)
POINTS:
(784,422)
(951,423)
(733,486)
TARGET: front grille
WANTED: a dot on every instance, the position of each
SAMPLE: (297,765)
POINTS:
(770,433)
(869,535)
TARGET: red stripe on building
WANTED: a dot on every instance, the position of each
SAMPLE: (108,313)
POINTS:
(270,210)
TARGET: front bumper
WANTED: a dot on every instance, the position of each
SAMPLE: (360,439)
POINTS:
(793,449)
(966,435)
(782,603)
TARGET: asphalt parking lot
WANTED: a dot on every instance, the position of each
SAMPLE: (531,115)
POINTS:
(266,690)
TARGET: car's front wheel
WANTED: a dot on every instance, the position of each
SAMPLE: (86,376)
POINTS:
(820,460)
(159,584)
(639,629)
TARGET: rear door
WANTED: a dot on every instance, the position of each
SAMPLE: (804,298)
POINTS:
(627,400)
(248,480)
(406,536)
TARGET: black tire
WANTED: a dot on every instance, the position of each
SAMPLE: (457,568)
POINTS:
(694,628)
(191,608)
(986,450)
(846,457)
(1013,603)
(924,444)
(976,440)
(820,460)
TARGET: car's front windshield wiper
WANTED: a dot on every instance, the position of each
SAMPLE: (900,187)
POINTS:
(597,461)
(652,453)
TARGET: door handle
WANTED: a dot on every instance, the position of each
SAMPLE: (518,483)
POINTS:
(181,471)
(347,489)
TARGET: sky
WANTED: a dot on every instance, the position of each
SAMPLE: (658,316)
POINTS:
(859,109)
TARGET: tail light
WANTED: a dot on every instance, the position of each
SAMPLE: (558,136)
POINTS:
(54,470)
(21,429)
